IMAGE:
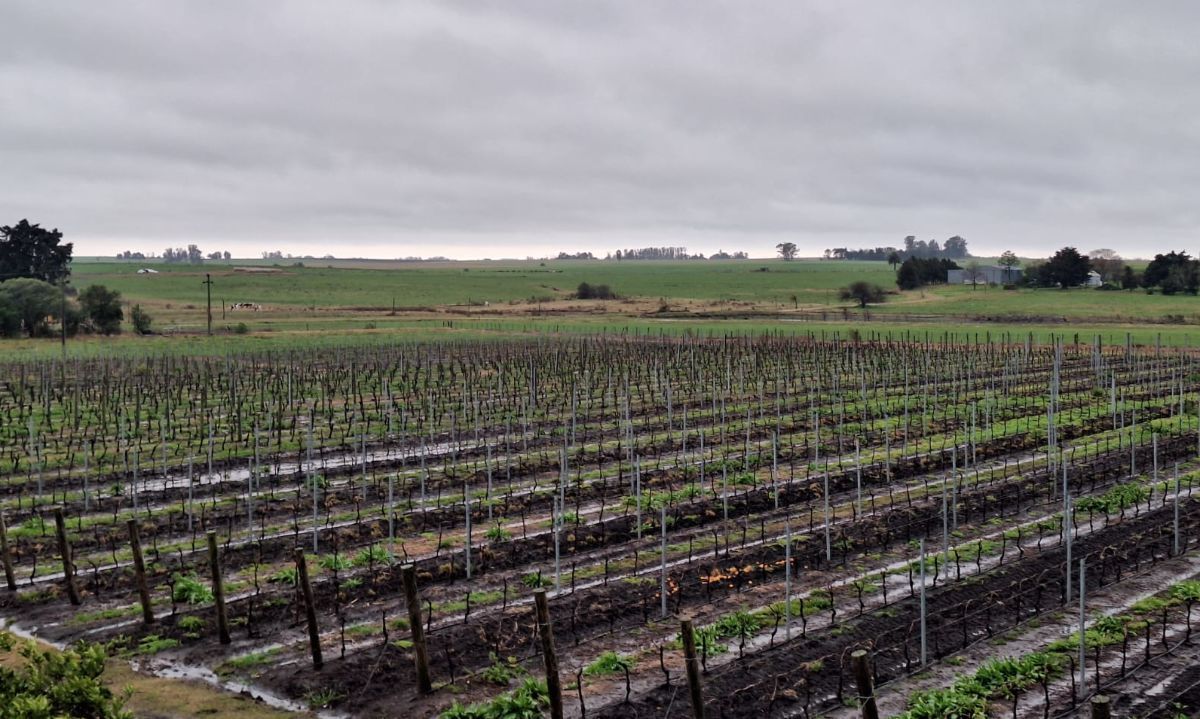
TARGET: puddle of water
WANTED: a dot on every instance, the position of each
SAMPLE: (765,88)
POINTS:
(17,630)
(174,670)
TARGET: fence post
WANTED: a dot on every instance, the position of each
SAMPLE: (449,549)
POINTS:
(866,686)
(924,644)
(413,601)
(218,589)
(139,569)
(9,577)
(693,667)
(1082,627)
(64,549)
(310,611)
(553,683)
(1100,707)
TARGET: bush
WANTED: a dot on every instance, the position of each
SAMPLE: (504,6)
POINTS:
(188,588)
(102,309)
(56,684)
(141,320)
(33,301)
(528,701)
(863,293)
(608,663)
(594,292)
(10,319)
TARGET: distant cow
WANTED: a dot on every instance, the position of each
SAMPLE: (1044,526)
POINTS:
(245,306)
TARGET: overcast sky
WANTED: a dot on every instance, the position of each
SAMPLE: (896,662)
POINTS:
(512,128)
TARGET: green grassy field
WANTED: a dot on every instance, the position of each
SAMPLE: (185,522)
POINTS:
(1080,304)
(351,301)
(804,284)
(434,284)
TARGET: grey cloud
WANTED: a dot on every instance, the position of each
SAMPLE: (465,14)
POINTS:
(508,128)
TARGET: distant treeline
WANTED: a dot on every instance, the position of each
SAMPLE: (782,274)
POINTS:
(955,248)
(654,253)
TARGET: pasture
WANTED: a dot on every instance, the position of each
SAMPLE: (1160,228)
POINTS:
(329,298)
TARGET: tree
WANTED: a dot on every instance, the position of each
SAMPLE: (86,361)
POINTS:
(102,307)
(863,293)
(973,273)
(1130,279)
(141,320)
(29,251)
(10,319)
(955,248)
(34,301)
(1161,266)
(907,277)
(894,259)
(1108,264)
(1184,277)
(1067,268)
(1008,261)
(917,271)
(787,250)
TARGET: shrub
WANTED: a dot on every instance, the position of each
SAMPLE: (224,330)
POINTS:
(192,626)
(533,580)
(54,684)
(498,534)
(102,308)
(141,320)
(189,589)
(334,563)
(373,555)
(586,291)
(153,644)
(863,293)
(502,671)
(527,701)
(287,575)
(609,663)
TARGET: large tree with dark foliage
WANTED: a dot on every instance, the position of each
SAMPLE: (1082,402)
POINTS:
(29,251)
(917,271)
(1067,268)
(1161,267)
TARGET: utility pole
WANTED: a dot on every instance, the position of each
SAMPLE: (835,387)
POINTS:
(208,286)
(62,316)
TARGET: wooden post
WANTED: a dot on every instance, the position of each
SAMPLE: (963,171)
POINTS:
(9,577)
(553,683)
(1100,707)
(866,685)
(139,568)
(310,611)
(64,549)
(693,667)
(218,590)
(413,601)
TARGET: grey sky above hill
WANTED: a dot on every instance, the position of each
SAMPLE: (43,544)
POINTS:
(514,128)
